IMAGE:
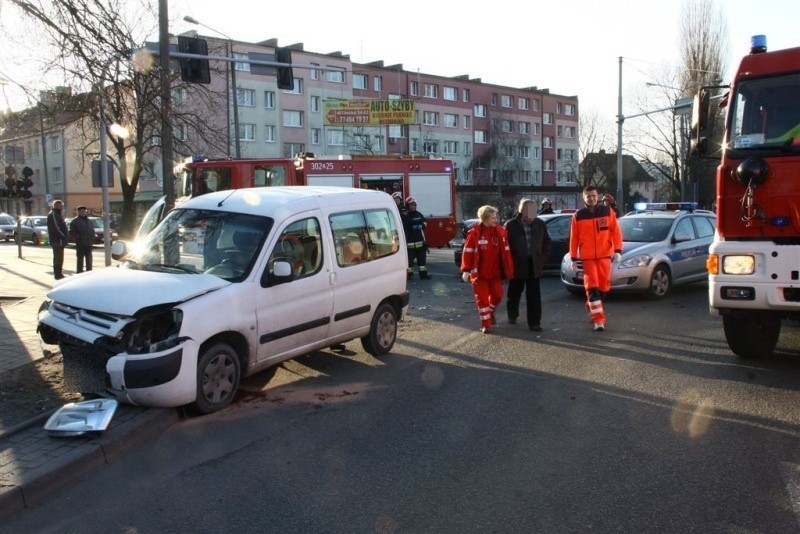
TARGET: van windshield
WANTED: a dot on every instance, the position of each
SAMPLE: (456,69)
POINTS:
(202,241)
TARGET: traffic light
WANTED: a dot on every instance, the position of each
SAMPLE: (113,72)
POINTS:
(194,70)
(285,75)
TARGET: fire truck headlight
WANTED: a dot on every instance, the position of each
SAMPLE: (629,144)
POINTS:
(738,264)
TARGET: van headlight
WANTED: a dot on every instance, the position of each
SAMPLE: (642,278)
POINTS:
(153,332)
(739,264)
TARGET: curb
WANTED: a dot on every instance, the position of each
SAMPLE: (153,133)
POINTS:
(136,426)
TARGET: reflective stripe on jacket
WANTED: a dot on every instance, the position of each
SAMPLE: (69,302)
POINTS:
(486,253)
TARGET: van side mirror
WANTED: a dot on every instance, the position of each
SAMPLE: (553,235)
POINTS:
(119,250)
(280,273)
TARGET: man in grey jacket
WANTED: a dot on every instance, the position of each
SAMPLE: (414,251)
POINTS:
(529,243)
(57,234)
(82,233)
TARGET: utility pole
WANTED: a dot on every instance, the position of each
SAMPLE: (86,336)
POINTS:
(166,108)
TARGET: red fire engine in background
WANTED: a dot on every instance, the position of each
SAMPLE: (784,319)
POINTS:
(754,262)
(431,181)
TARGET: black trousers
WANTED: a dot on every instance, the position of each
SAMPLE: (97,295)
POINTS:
(58,262)
(533,297)
(84,254)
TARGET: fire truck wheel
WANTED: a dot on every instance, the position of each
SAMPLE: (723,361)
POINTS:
(382,331)
(218,376)
(751,334)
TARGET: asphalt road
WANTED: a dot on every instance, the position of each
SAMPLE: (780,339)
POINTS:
(651,426)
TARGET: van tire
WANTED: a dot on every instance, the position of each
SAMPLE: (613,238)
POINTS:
(218,376)
(382,331)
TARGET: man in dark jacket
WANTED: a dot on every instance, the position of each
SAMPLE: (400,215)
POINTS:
(57,234)
(529,243)
(414,224)
(82,233)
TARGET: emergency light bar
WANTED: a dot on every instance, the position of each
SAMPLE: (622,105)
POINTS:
(665,206)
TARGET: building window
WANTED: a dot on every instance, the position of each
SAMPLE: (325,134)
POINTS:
(465,95)
(480,110)
(247,132)
(293,119)
(537,177)
(316,136)
(506,101)
(569,109)
(335,76)
(537,152)
(451,147)
(245,97)
(507,151)
(524,127)
(449,93)
(467,148)
(55,143)
(559,131)
(569,132)
(414,145)
(547,118)
(494,99)
(336,137)
(466,122)
(359,81)
(290,150)
(395,131)
(525,152)
(559,108)
(548,142)
(297,87)
(377,84)
(429,147)
(244,67)
(430,90)
(180,132)
(179,96)
(506,126)
(547,165)
(430,118)
(148,171)
(56,175)
(450,120)
(413,88)
(525,177)
(269,133)
(535,105)
(537,128)
(480,137)
(269,99)
(314,72)
(523,103)
(315,104)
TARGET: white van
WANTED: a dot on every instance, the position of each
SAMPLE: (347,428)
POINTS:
(228,284)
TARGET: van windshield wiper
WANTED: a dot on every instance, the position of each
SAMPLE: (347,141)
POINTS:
(180,268)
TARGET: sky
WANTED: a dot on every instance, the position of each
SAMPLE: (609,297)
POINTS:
(571,47)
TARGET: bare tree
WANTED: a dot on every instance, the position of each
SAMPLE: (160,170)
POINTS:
(594,137)
(94,40)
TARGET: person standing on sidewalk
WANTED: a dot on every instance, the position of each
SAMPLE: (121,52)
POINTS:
(596,240)
(82,232)
(414,223)
(486,262)
(529,243)
(57,234)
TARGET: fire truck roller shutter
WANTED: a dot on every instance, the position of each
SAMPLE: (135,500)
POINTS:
(433,194)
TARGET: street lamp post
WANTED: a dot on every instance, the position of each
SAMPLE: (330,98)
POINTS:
(234,91)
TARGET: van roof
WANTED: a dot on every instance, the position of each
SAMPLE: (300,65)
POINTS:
(276,201)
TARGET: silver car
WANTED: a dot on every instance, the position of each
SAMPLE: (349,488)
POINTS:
(7,226)
(33,228)
(660,249)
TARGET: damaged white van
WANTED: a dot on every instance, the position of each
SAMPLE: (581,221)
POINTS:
(228,284)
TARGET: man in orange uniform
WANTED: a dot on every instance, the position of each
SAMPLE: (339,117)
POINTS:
(596,240)
(486,262)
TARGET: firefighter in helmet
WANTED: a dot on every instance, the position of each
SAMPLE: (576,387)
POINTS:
(547,206)
(611,202)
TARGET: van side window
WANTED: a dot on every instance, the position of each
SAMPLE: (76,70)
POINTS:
(362,236)
(300,244)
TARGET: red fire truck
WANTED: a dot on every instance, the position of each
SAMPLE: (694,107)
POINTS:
(754,262)
(430,180)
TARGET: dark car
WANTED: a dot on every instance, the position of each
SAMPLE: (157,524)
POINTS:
(7,226)
(97,223)
(558,229)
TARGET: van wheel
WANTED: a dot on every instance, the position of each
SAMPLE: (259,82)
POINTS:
(218,376)
(382,331)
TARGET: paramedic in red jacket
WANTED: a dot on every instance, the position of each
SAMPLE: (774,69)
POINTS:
(486,261)
(596,240)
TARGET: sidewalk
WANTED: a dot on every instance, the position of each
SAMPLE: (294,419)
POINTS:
(33,464)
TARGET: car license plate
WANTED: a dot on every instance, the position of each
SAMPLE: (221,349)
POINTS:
(579,275)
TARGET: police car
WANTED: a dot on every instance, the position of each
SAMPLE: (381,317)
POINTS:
(664,245)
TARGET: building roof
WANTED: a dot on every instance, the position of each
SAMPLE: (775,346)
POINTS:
(606,164)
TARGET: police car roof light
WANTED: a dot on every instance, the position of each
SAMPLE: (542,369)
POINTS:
(665,206)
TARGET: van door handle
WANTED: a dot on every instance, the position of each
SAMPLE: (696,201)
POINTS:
(332,278)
